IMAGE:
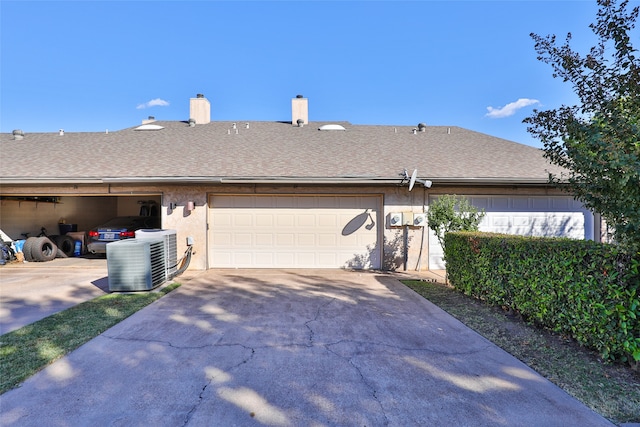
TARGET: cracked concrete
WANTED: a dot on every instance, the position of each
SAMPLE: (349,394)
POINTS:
(290,348)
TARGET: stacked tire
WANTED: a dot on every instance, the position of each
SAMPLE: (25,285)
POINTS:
(66,245)
(40,249)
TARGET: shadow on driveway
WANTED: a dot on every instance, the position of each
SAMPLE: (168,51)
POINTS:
(291,348)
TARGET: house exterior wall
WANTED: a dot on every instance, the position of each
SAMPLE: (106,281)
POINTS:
(404,247)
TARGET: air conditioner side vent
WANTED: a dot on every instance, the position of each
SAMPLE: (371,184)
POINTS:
(170,246)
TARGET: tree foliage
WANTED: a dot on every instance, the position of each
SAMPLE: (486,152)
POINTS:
(450,213)
(597,141)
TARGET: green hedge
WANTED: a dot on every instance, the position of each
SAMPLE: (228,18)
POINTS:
(587,290)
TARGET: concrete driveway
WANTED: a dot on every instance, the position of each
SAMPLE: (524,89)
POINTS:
(291,348)
(32,291)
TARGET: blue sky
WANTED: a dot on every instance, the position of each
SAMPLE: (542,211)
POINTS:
(96,65)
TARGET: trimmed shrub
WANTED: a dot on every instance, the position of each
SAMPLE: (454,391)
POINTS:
(583,289)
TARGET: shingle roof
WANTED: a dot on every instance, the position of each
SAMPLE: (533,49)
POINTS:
(269,150)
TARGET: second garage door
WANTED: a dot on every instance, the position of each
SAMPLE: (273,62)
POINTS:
(294,231)
(551,216)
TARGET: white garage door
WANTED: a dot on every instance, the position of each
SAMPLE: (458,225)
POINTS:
(559,216)
(294,231)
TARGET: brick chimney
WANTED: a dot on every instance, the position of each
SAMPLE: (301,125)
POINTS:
(200,109)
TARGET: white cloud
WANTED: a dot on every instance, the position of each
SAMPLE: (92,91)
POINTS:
(153,103)
(510,109)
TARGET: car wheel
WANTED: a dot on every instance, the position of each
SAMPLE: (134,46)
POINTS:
(65,244)
(26,248)
(43,249)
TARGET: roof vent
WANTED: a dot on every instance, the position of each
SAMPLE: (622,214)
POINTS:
(149,127)
(192,122)
(18,134)
(61,132)
(331,127)
(300,122)
(422,127)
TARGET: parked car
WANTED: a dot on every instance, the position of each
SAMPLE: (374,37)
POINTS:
(123,227)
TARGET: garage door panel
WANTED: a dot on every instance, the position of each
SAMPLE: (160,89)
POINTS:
(263,258)
(241,239)
(242,258)
(294,231)
(562,204)
(327,260)
(500,203)
(306,220)
(242,220)
(283,258)
(285,220)
(540,203)
(222,239)
(264,220)
(521,220)
(306,259)
(285,240)
(520,204)
(497,221)
(306,240)
(327,220)
(224,258)
(353,239)
(480,202)
(223,220)
(327,240)
(261,239)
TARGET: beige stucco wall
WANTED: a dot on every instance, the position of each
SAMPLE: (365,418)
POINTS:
(404,247)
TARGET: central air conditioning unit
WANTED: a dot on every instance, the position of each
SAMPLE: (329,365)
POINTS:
(136,265)
(170,246)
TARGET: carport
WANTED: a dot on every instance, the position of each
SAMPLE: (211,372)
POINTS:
(28,213)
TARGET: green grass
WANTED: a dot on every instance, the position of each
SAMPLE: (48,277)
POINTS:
(27,350)
(611,390)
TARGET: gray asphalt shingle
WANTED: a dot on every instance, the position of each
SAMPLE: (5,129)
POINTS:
(269,149)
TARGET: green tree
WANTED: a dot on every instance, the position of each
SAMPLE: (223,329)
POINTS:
(597,141)
(451,213)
